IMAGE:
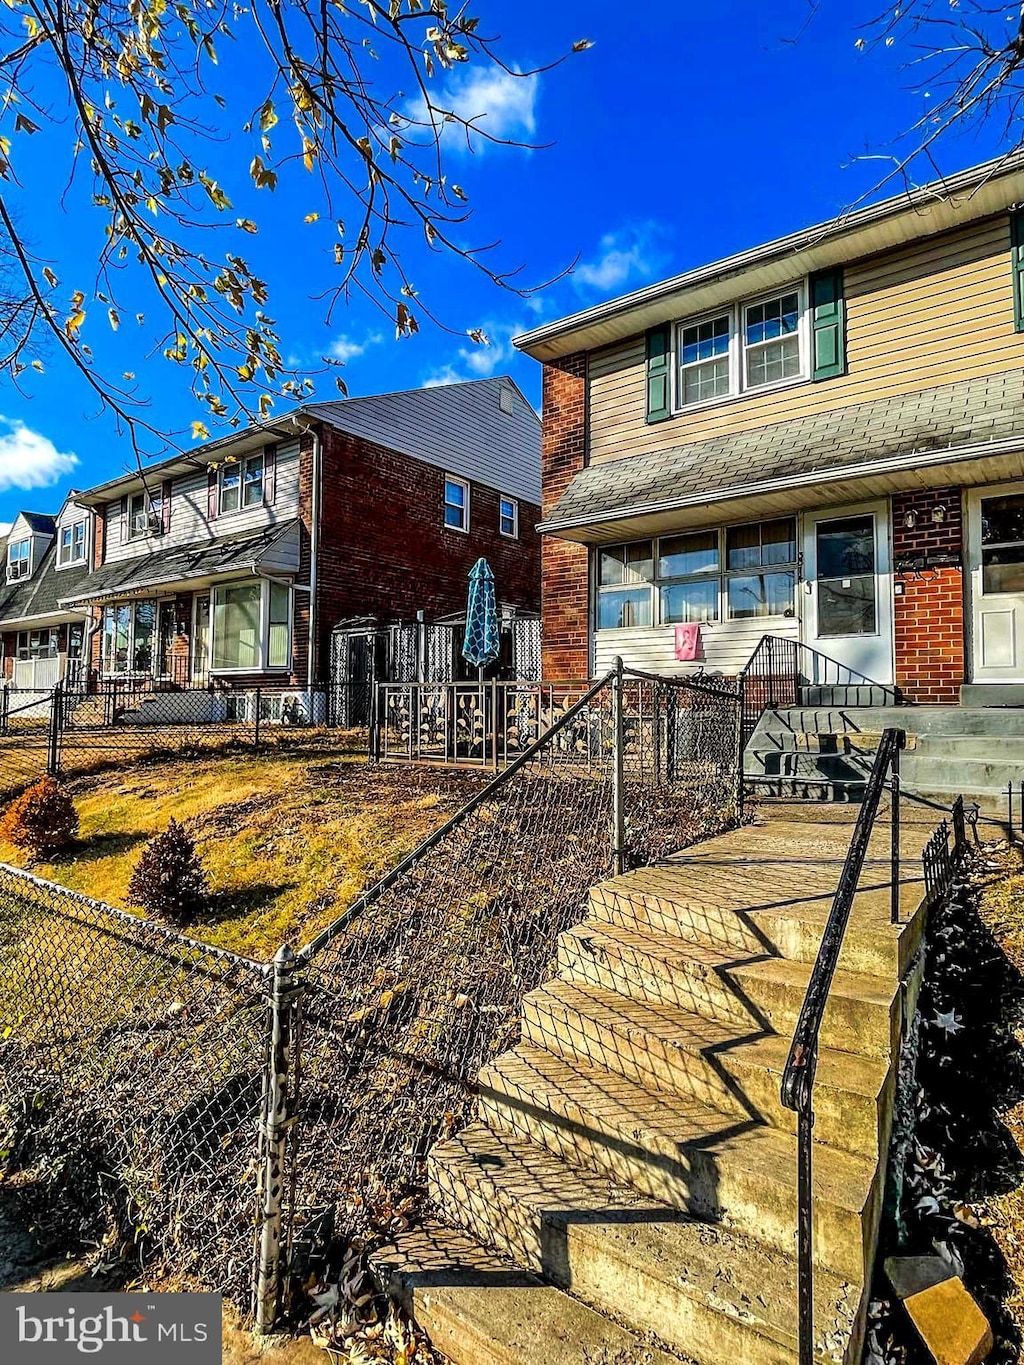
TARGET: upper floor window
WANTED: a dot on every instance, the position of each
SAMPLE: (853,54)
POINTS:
(749,346)
(508,517)
(72,544)
(144,515)
(241,484)
(736,574)
(19,559)
(456,504)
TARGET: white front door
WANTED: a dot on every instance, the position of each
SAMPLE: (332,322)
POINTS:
(847,585)
(995,558)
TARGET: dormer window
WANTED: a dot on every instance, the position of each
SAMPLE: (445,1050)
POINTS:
(19,560)
(72,545)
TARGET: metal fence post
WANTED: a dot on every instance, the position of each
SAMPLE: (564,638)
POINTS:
(894,815)
(5,708)
(53,745)
(741,743)
(256,731)
(275,1121)
(618,766)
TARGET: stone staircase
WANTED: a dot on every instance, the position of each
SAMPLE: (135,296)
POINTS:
(828,751)
(632,1169)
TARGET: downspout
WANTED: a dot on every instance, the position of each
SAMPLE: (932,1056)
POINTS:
(314,549)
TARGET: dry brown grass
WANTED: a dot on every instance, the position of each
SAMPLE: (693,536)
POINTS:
(288,840)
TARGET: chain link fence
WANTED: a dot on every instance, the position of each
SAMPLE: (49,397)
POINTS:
(132,1064)
(241,1119)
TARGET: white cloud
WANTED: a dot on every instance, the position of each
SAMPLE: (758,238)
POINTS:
(500,104)
(345,348)
(628,254)
(478,362)
(28,459)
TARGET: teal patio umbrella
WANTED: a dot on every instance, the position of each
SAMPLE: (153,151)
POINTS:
(482,643)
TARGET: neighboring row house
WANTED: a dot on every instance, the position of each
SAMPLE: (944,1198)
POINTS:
(233,562)
(821,438)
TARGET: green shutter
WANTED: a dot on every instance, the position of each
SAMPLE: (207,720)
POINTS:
(828,324)
(659,373)
(1017,258)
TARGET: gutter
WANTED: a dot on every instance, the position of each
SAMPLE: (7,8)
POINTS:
(314,554)
(934,192)
(914,460)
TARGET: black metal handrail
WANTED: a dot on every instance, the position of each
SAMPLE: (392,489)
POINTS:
(782,668)
(797,1091)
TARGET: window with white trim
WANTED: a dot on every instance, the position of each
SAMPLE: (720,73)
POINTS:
(252,626)
(145,515)
(735,573)
(19,559)
(127,639)
(241,484)
(752,345)
(456,504)
(71,549)
(37,644)
(508,517)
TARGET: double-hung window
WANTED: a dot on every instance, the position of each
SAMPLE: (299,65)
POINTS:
(752,345)
(19,559)
(456,504)
(144,515)
(734,573)
(72,544)
(241,484)
(508,517)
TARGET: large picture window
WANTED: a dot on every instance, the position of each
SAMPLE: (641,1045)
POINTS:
(37,644)
(128,631)
(732,574)
(251,626)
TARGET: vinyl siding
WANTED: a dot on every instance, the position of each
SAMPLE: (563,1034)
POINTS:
(728,646)
(189,522)
(916,318)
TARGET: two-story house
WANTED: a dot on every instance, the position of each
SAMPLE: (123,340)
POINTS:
(231,564)
(821,438)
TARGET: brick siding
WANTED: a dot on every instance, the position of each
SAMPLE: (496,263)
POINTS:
(386,552)
(929,614)
(564,564)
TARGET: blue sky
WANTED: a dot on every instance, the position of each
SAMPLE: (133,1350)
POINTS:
(686,133)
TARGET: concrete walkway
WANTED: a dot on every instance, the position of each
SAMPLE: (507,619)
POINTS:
(632,1168)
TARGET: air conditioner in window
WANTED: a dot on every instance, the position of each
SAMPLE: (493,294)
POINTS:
(147,524)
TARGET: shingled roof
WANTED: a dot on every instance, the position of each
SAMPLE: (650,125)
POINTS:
(963,414)
(43,593)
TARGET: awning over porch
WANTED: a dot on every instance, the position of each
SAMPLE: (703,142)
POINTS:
(271,551)
(965,433)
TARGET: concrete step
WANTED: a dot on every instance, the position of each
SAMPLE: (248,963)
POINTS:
(969,774)
(705,1290)
(684,1154)
(918,720)
(1005,748)
(478,1311)
(766,907)
(757,993)
(838,767)
(829,742)
(668,1050)
(858,694)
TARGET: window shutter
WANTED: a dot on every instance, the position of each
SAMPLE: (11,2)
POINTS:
(269,475)
(659,374)
(211,494)
(1017,259)
(123,519)
(165,505)
(828,325)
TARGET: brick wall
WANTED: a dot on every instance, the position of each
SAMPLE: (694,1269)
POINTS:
(564,565)
(929,615)
(385,550)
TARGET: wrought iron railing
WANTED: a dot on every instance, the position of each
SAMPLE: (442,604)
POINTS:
(797,1091)
(785,672)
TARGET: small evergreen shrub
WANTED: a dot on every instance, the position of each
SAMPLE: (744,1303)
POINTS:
(169,879)
(43,819)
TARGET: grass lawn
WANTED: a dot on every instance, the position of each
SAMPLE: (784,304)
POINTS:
(288,839)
